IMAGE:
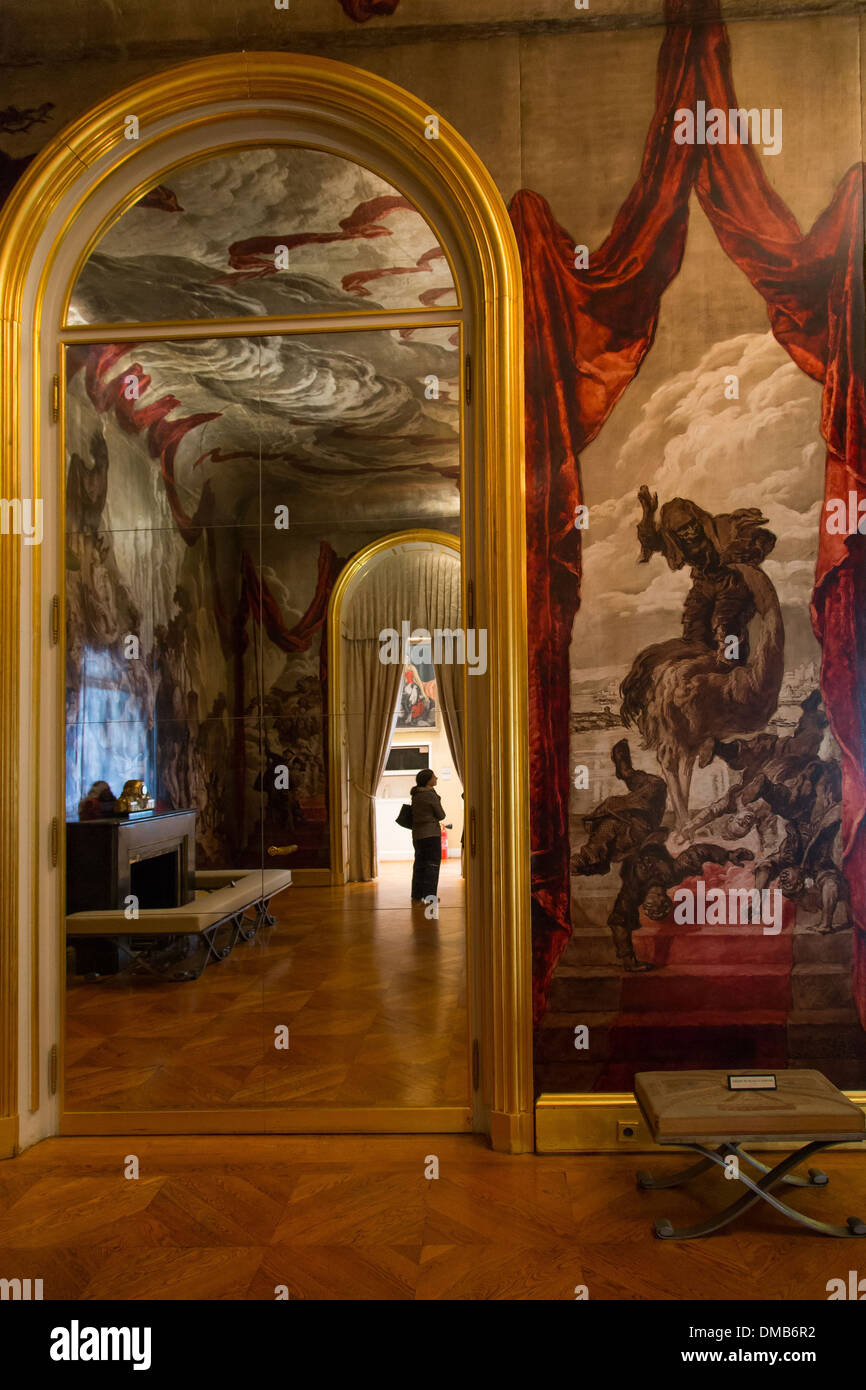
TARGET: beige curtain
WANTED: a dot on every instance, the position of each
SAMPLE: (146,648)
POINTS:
(372,690)
(450,677)
(418,584)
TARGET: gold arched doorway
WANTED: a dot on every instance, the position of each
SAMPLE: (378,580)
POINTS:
(351,575)
(78,186)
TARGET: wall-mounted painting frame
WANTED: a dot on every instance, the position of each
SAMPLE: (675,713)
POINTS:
(417,706)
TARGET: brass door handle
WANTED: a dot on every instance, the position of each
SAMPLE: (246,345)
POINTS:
(281,849)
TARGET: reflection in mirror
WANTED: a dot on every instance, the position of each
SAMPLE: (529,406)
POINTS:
(218,491)
(268,231)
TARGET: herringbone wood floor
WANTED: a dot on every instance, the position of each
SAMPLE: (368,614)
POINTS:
(355,1217)
(371,990)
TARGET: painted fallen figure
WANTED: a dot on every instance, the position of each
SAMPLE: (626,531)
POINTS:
(623,822)
(809,867)
(628,827)
(737,813)
(647,874)
(785,782)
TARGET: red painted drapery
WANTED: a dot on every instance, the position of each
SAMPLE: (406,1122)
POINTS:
(586,334)
(257,598)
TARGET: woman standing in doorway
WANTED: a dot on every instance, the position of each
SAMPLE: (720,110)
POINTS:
(427,812)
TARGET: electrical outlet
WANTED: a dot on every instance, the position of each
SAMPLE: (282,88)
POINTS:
(628,1131)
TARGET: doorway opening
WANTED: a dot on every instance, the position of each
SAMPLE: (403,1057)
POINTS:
(74,311)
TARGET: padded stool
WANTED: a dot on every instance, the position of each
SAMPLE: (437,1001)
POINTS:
(697,1110)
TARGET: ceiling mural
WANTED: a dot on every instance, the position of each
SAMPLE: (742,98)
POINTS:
(269,231)
(366,422)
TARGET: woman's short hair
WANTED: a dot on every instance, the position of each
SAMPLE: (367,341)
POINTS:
(424,776)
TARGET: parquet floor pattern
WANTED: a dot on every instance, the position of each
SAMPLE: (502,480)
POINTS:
(355,1217)
(372,992)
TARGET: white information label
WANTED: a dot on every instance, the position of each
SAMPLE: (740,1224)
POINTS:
(766,1082)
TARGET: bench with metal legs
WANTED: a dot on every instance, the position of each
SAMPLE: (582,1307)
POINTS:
(706,1113)
(176,943)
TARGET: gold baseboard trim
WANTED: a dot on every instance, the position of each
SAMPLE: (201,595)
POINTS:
(8,1136)
(444,1119)
(512,1133)
(611,1123)
(311,878)
(567,1123)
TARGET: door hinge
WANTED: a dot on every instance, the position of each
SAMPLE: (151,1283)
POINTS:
(55,620)
(55,398)
(472,831)
(467,378)
(476,1065)
(52,1069)
(55,842)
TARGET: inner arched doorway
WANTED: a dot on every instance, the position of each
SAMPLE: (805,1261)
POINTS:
(408,584)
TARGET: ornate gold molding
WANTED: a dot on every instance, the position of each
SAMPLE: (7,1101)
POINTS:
(611,1122)
(10,633)
(362,115)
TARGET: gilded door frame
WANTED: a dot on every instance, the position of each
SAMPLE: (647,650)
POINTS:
(336,752)
(38,217)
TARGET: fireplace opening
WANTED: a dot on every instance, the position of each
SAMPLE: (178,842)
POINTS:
(156,881)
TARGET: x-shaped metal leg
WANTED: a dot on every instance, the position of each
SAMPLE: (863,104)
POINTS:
(248,926)
(267,918)
(758,1191)
(816,1177)
(645,1179)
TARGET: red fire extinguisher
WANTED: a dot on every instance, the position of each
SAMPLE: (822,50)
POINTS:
(445,830)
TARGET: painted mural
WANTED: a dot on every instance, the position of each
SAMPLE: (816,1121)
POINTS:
(695,380)
(698,855)
(266,231)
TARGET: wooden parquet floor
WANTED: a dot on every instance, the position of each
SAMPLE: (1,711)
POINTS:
(356,1218)
(372,992)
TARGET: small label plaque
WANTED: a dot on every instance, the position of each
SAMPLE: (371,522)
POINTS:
(766,1081)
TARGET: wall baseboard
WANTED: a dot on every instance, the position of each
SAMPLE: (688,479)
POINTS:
(512,1133)
(612,1123)
(8,1136)
(431,1119)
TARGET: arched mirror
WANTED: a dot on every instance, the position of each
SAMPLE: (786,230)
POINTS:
(219,484)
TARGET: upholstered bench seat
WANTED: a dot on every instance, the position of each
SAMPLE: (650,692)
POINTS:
(693,1107)
(223,898)
(263,882)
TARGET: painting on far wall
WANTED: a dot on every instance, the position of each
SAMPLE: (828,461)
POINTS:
(416,706)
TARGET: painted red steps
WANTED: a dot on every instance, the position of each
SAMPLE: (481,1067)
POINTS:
(669,945)
(752,1037)
(729,988)
(723,991)
(697,1039)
